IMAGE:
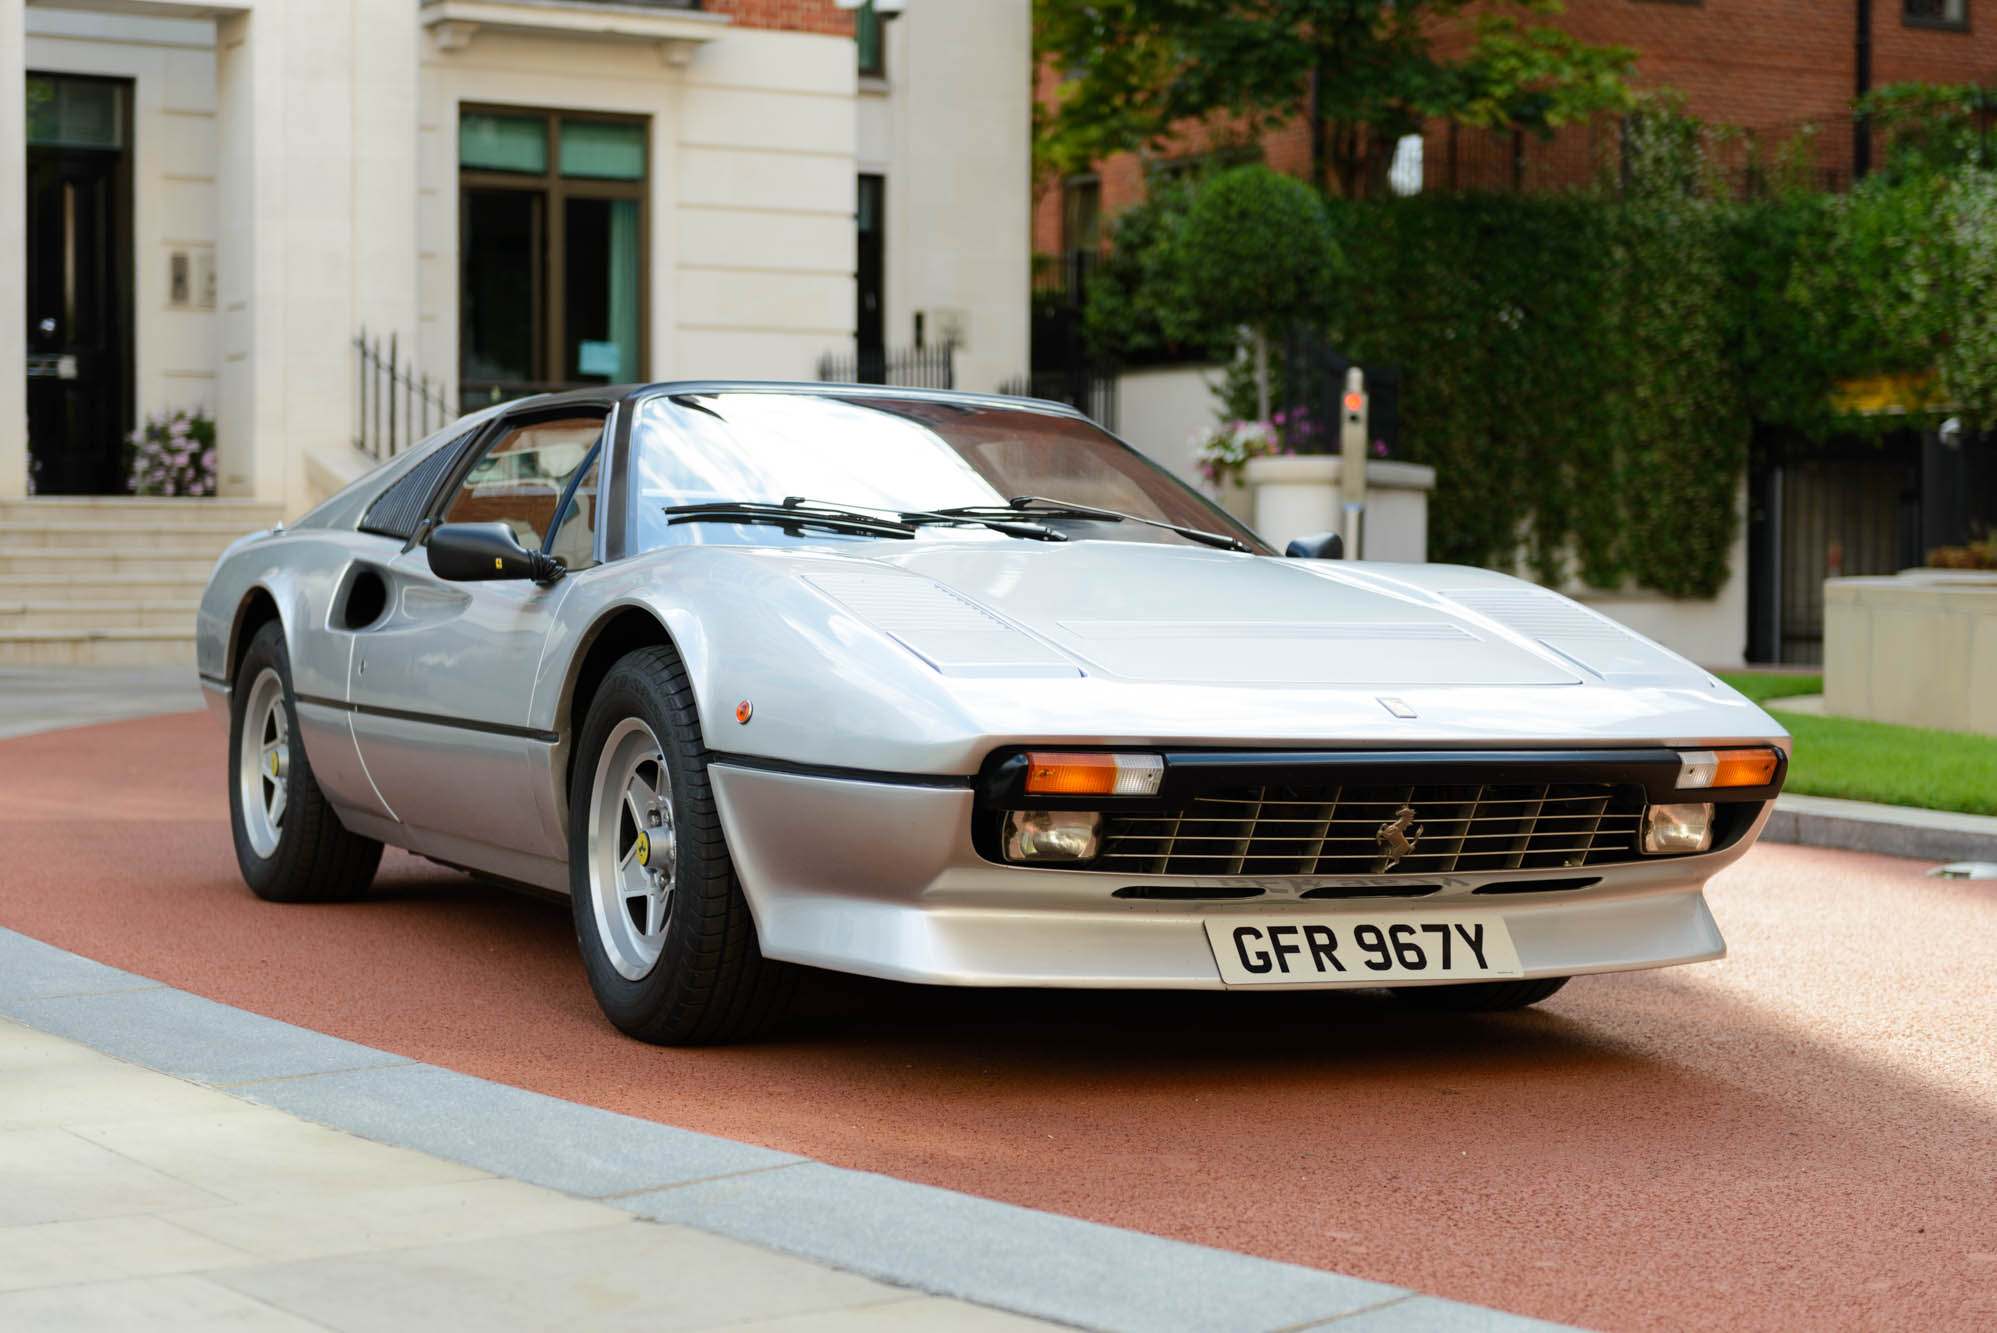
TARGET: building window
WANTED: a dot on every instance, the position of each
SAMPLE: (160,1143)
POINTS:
(1936,14)
(870,278)
(552,222)
(867,37)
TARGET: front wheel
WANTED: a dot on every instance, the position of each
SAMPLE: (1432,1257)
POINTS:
(290,845)
(665,933)
(1480,997)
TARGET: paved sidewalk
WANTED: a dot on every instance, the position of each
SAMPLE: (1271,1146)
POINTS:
(42,699)
(190,1192)
(139,1201)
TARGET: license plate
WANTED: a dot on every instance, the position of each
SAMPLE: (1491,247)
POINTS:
(1361,948)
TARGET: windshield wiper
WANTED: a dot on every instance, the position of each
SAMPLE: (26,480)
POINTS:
(797,512)
(1039,506)
(792,516)
(996,522)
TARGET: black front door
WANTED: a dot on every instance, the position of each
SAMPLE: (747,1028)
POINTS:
(79,285)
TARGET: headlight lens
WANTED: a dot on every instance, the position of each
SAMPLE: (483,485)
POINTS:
(1678,828)
(1726,768)
(1052,835)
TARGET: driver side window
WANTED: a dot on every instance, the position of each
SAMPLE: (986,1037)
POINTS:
(520,480)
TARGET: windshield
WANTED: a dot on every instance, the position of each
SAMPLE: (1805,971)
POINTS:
(894,455)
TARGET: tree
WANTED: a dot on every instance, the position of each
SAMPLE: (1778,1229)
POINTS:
(1257,250)
(1361,73)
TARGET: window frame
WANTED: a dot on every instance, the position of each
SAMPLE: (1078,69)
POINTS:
(869,16)
(1943,24)
(549,279)
(496,430)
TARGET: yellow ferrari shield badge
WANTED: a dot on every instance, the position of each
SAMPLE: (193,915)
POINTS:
(644,850)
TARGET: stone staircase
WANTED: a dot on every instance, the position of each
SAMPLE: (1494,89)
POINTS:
(111,581)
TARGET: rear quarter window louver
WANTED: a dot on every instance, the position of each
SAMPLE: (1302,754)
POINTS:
(397,510)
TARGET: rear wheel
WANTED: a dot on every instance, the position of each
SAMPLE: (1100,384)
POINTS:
(1480,997)
(290,845)
(664,930)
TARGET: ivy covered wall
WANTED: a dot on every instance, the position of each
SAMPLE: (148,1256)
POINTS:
(1586,371)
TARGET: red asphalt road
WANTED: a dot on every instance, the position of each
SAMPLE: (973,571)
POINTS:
(1801,1136)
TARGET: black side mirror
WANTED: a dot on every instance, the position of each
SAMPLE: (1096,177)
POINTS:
(1317,546)
(476,552)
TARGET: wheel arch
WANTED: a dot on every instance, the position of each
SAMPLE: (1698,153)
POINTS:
(258,607)
(620,630)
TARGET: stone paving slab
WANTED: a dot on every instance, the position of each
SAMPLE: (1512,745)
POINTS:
(192,1037)
(513,1132)
(1057,1267)
(42,699)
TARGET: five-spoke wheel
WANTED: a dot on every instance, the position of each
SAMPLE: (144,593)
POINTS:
(665,932)
(290,844)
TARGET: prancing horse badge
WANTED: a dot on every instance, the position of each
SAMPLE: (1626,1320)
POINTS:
(1395,839)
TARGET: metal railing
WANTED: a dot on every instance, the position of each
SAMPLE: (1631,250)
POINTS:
(1090,391)
(926,367)
(397,406)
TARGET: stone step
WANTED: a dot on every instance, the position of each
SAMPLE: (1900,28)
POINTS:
(88,617)
(163,538)
(60,562)
(45,586)
(109,647)
(128,509)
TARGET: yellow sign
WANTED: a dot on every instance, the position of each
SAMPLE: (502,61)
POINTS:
(644,850)
(1871,395)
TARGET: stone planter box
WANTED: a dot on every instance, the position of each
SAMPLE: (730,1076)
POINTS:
(1296,495)
(1918,648)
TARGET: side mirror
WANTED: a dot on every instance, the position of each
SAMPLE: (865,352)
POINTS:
(1317,546)
(477,552)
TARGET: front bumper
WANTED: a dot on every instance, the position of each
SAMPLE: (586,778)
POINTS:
(882,879)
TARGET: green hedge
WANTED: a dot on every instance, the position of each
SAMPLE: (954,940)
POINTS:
(1568,369)
(1584,370)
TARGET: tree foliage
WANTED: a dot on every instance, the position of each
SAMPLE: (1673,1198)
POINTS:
(1367,71)
(1257,252)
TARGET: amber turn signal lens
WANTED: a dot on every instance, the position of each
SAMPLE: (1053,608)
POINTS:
(1727,768)
(1061,773)
(1744,768)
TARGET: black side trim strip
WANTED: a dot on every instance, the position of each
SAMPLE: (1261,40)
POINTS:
(765,765)
(435,719)
(217,681)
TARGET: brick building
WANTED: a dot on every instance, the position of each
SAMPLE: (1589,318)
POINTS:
(1767,67)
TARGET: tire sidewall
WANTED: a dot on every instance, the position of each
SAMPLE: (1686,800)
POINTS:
(628,692)
(264,873)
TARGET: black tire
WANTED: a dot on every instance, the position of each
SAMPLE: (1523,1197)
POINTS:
(315,859)
(709,982)
(1480,997)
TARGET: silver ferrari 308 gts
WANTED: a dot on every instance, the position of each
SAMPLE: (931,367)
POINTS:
(956,689)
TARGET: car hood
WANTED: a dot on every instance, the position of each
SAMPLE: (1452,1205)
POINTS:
(1184,615)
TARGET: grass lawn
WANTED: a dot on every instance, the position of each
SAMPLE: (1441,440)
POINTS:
(1876,761)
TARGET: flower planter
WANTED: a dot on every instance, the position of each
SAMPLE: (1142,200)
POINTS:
(1296,495)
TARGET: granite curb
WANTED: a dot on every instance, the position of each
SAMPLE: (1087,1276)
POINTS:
(1084,1274)
(1889,830)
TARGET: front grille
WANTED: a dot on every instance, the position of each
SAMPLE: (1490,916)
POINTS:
(1348,830)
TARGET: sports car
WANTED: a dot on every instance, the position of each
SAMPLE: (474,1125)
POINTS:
(954,689)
